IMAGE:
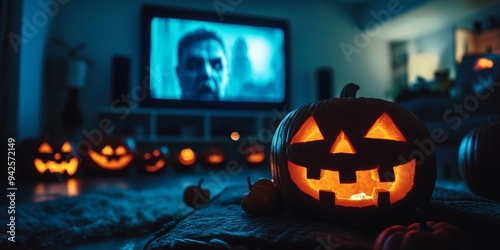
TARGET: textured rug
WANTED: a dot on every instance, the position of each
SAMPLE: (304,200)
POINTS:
(116,212)
(94,216)
(224,225)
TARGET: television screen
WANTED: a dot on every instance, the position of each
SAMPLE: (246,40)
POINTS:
(196,59)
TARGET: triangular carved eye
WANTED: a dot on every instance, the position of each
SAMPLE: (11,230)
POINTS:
(384,128)
(45,148)
(156,153)
(342,145)
(120,150)
(66,147)
(309,131)
(107,150)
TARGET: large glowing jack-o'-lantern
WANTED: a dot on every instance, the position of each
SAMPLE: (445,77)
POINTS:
(49,156)
(352,156)
(112,154)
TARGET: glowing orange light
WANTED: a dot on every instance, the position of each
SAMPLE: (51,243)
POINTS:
(66,147)
(360,194)
(256,157)
(483,63)
(55,165)
(156,167)
(111,164)
(215,159)
(187,157)
(73,187)
(45,148)
(384,128)
(309,131)
(107,150)
(342,145)
(235,136)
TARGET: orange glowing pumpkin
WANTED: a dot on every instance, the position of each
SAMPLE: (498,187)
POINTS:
(152,159)
(113,154)
(483,63)
(186,157)
(215,157)
(48,157)
(351,159)
(254,154)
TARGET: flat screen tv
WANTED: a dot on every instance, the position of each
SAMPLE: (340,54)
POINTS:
(198,59)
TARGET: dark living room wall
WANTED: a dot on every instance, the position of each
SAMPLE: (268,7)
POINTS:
(112,27)
(441,42)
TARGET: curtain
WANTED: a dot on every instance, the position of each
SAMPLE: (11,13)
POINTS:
(5,6)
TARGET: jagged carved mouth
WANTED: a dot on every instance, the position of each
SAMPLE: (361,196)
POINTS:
(70,166)
(108,162)
(368,190)
(157,166)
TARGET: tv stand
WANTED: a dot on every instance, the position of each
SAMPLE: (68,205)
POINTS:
(166,125)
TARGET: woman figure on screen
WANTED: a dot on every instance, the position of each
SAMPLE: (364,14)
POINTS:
(202,65)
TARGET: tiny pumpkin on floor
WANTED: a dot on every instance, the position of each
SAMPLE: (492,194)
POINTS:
(262,198)
(196,197)
(424,235)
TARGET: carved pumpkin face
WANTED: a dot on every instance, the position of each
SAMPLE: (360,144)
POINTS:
(351,156)
(50,156)
(214,156)
(57,159)
(153,159)
(358,186)
(112,154)
(255,154)
(186,157)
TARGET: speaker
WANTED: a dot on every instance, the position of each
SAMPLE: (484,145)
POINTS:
(120,76)
(324,79)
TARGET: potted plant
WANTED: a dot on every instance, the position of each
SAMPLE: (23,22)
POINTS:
(76,64)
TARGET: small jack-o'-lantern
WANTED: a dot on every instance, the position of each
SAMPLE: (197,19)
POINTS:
(352,159)
(186,157)
(254,154)
(152,159)
(48,157)
(112,154)
(215,157)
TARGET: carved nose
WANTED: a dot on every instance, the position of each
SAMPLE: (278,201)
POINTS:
(342,145)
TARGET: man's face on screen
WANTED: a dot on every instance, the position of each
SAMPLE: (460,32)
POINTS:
(202,70)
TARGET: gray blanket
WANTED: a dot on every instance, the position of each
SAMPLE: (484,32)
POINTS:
(224,225)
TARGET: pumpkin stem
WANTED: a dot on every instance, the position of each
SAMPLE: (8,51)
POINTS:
(349,90)
(250,186)
(421,218)
(199,183)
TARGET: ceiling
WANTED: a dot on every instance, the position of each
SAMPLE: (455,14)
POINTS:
(432,16)
(418,16)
